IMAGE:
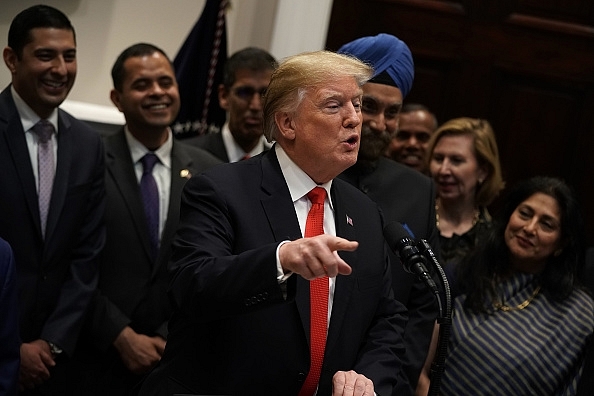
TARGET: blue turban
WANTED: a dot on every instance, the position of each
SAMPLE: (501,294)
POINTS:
(387,55)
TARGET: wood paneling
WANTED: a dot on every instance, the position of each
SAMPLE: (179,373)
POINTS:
(526,66)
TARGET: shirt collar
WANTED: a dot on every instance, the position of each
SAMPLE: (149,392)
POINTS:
(138,150)
(28,117)
(298,181)
(234,151)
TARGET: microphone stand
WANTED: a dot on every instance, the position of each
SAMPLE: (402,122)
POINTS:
(444,319)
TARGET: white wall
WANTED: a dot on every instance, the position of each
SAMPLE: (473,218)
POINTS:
(105,27)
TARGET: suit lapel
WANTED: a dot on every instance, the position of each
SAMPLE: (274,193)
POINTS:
(280,211)
(62,177)
(345,221)
(181,167)
(17,146)
(277,201)
(217,146)
(121,169)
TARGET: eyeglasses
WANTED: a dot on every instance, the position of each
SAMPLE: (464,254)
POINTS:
(247,93)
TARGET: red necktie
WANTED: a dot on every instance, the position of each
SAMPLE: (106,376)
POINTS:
(318,296)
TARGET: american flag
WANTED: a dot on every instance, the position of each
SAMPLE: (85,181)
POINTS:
(349,220)
(199,71)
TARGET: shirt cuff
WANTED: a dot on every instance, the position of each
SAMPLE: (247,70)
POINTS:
(280,273)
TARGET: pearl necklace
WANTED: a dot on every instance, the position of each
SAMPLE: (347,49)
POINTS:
(475,216)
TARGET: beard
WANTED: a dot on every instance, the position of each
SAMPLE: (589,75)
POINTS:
(373,143)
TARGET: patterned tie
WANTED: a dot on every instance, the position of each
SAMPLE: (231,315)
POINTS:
(150,198)
(318,296)
(46,168)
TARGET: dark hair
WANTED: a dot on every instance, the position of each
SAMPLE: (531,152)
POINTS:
(118,73)
(37,16)
(251,58)
(560,275)
(412,107)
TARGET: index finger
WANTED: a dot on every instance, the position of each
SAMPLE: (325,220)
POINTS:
(338,243)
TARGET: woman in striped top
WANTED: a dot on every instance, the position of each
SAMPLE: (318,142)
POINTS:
(523,321)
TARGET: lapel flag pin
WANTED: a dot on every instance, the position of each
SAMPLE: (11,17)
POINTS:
(349,220)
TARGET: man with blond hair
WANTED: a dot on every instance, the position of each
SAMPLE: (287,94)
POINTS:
(282,283)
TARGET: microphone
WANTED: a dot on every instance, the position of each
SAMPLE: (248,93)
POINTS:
(412,259)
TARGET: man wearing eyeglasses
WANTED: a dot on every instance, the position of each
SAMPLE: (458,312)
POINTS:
(246,76)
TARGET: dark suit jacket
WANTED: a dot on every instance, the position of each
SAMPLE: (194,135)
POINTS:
(211,142)
(233,331)
(56,277)
(406,196)
(132,286)
(9,322)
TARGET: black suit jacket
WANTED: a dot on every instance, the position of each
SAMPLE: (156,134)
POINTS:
(211,142)
(132,286)
(56,277)
(406,196)
(233,331)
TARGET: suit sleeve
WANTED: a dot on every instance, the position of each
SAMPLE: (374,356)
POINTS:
(106,321)
(383,352)
(211,272)
(9,336)
(64,324)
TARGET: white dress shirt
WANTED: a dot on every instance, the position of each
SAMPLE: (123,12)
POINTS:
(161,171)
(234,151)
(300,184)
(29,118)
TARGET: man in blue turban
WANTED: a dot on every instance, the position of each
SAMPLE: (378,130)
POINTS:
(390,57)
(403,194)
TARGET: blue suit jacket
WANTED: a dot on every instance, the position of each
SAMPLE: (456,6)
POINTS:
(233,331)
(9,325)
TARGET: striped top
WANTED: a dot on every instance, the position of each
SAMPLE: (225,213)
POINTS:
(537,350)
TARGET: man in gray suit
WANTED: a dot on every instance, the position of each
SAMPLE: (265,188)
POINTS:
(126,330)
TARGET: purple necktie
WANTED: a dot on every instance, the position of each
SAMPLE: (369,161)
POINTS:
(150,198)
(45,167)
